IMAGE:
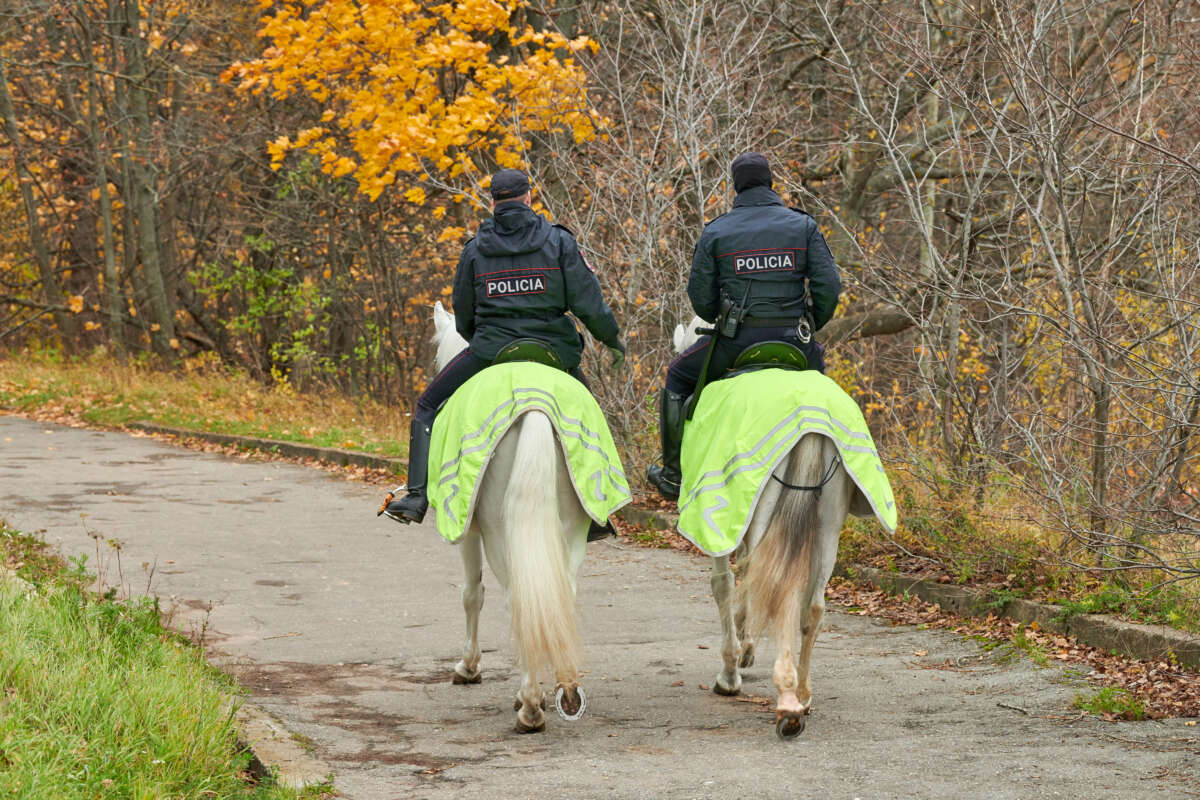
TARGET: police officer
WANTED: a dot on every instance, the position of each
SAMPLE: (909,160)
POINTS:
(516,279)
(760,272)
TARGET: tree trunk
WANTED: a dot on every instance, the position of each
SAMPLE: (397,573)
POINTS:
(114,300)
(144,189)
(52,293)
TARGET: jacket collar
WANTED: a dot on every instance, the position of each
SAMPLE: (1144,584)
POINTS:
(757,196)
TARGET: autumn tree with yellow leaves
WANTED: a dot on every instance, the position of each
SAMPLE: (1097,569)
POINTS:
(419,97)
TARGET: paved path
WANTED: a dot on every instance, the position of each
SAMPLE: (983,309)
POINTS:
(344,627)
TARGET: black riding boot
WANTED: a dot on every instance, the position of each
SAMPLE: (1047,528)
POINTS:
(412,507)
(670,428)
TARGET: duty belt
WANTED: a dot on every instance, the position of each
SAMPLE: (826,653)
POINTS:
(770,322)
(801,324)
(544,316)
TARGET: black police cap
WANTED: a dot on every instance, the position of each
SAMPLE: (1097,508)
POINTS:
(750,169)
(508,184)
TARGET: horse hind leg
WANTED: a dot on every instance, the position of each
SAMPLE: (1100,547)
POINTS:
(746,657)
(530,705)
(467,669)
(790,708)
(808,632)
(569,698)
(729,679)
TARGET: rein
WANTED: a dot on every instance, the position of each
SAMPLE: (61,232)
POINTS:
(833,465)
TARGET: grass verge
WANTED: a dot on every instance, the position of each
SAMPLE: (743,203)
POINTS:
(102,701)
(101,391)
(1111,702)
(992,547)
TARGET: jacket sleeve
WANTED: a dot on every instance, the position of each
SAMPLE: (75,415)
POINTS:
(584,298)
(824,284)
(702,282)
(463,299)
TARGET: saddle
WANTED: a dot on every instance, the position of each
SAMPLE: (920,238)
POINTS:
(529,350)
(773,354)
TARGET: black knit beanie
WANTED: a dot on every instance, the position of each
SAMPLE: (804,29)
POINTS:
(750,169)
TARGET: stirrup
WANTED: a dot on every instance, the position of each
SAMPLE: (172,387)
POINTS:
(409,508)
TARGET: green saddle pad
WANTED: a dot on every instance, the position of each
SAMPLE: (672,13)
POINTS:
(744,426)
(476,417)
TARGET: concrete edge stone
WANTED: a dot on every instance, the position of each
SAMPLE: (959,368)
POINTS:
(275,751)
(642,516)
(1143,642)
(331,455)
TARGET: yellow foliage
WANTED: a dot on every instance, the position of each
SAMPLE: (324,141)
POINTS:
(416,87)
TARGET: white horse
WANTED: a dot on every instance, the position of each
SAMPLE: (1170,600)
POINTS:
(785,560)
(533,529)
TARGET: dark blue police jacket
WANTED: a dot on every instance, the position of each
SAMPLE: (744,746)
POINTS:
(768,254)
(518,277)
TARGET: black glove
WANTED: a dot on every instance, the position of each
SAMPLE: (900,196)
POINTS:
(618,354)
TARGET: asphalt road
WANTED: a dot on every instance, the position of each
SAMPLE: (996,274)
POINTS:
(345,626)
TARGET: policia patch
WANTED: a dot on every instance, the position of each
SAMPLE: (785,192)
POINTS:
(756,262)
(515,282)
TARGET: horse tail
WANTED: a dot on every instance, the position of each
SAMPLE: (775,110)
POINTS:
(542,594)
(779,566)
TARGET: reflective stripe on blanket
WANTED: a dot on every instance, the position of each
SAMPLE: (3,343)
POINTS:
(744,427)
(475,418)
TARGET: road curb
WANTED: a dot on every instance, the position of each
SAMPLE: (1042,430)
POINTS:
(275,751)
(1143,642)
(330,455)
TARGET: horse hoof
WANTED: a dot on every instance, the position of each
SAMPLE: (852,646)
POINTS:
(723,689)
(789,724)
(517,703)
(747,659)
(570,704)
(463,680)
(523,728)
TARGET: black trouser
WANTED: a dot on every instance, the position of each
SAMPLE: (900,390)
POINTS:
(461,369)
(684,372)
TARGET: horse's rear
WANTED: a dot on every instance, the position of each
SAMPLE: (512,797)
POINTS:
(788,553)
(533,530)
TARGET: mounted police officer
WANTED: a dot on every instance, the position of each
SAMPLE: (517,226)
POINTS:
(516,279)
(761,272)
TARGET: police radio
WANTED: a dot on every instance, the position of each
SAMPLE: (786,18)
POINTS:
(729,320)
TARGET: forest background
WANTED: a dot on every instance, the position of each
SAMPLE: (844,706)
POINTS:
(1010,190)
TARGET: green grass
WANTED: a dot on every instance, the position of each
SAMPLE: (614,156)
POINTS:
(1018,646)
(100,391)
(650,537)
(991,549)
(101,701)
(1168,605)
(1111,701)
